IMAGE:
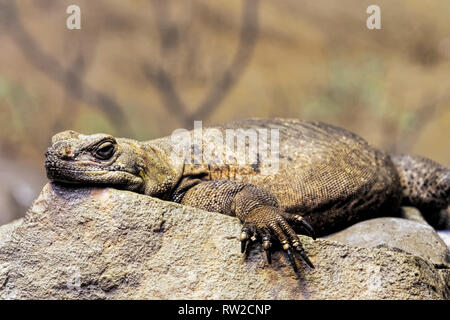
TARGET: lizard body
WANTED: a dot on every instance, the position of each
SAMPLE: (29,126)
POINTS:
(327,178)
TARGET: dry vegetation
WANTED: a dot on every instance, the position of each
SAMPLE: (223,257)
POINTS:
(143,68)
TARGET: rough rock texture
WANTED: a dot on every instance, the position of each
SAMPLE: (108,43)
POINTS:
(105,243)
(397,234)
(414,214)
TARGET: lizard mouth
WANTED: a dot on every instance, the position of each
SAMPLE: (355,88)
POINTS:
(57,173)
(92,176)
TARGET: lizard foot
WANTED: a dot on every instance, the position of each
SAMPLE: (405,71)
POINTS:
(267,223)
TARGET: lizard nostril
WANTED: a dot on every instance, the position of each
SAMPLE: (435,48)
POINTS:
(67,153)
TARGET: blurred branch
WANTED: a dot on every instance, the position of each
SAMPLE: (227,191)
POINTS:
(423,114)
(247,42)
(79,66)
(168,33)
(163,81)
(9,19)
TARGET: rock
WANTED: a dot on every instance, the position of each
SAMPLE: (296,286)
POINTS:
(7,229)
(445,235)
(398,234)
(413,214)
(103,243)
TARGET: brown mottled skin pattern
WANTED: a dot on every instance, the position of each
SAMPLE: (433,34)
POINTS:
(328,178)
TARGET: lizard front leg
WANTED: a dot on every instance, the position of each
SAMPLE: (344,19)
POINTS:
(257,209)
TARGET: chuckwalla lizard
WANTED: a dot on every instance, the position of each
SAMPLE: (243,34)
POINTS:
(327,178)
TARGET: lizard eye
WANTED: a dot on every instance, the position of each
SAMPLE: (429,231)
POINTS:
(104,151)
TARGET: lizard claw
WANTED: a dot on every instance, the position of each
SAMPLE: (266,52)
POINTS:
(291,258)
(268,222)
(307,227)
(244,238)
(298,219)
(298,247)
(267,244)
(247,234)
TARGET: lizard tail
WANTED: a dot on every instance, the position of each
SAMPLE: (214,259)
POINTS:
(425,185)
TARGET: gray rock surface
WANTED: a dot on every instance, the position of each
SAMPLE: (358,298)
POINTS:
(104,243)
(398,234)
(414,214)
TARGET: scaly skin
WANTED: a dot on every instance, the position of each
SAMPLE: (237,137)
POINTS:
(327,179)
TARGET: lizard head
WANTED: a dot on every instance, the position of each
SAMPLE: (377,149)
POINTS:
(102,160)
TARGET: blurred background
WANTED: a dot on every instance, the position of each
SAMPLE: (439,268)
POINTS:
(142,68)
